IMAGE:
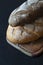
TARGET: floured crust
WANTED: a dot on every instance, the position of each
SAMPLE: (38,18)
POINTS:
(25,30)
(26,13)
(26,25)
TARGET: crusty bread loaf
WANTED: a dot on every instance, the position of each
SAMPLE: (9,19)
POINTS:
(26,27)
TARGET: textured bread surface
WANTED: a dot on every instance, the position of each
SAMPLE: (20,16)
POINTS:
(26,13)
(26,27)
(34,48)
(26,33)
(26,22)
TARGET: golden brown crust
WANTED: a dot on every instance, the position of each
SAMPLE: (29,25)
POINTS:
(28,31)
(24,34)
(14,35)
(25,26)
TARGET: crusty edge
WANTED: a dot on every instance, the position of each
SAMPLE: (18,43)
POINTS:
(24,51)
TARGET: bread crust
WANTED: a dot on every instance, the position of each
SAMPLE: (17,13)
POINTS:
(24,34)
(34,48)
(26,27)
(26,24)
(27,14)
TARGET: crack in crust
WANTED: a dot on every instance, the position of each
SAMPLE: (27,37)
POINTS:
(26,33)
(26,27)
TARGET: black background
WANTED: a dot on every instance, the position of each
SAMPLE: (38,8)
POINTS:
(8,54)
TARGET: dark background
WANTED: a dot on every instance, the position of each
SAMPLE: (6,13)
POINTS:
(8,54)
